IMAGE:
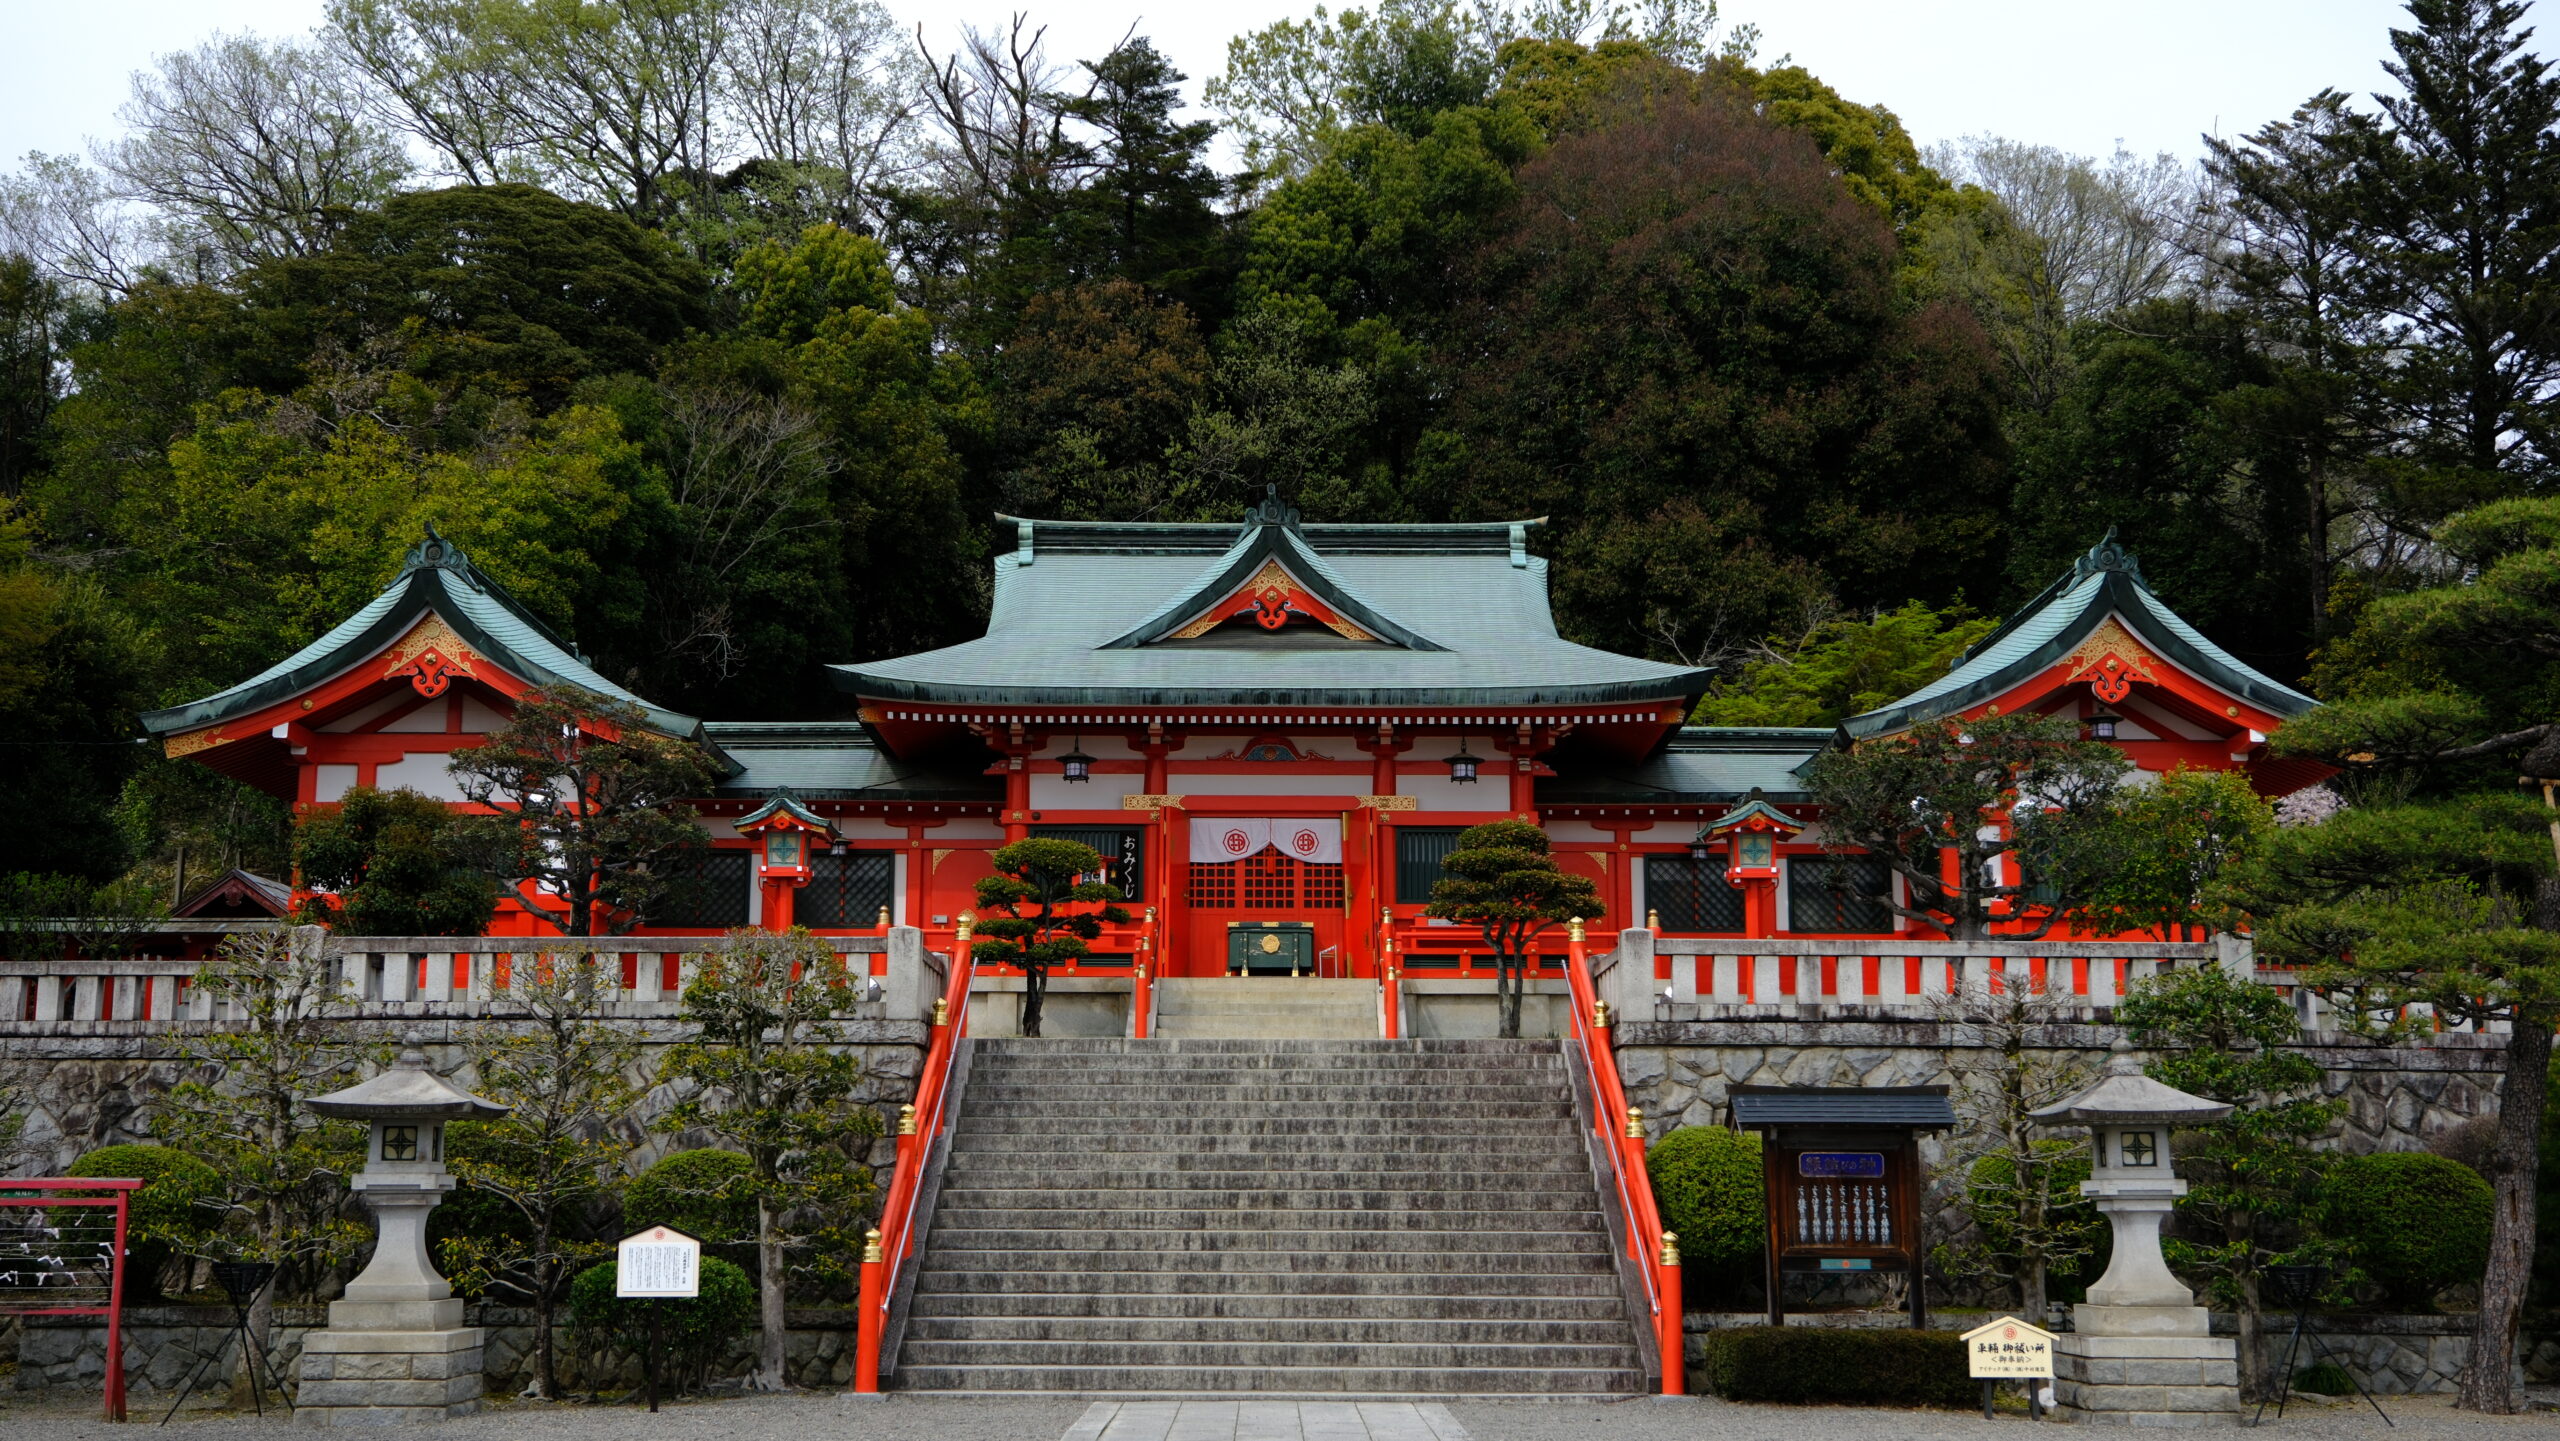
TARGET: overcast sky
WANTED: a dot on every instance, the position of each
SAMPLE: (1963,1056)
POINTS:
(2080,74)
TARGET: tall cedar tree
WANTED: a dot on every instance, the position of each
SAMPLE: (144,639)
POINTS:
(1146,211)
(598,804)
(1039,910)
(2458,231)
(1943,803)
(2438,891)
(2253,1176)
(769,1075)
(1501,879)
(397,863)
(568,1072)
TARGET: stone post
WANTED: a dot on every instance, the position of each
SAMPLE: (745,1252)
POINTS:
(395,1348)
(2141,1351)
(1623,976)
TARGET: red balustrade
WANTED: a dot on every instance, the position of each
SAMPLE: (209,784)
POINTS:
(1621,1135)
(888,1245)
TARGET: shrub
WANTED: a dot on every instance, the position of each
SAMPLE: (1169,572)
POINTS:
(708,1194)
(2324,1378)
(163,1219)
(1987,1187)
(1807,1363)
(2415,1223)
(691,1331)
(1706,1180)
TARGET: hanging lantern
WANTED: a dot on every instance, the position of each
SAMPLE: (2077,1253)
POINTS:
(2102,726)
(1702,846)
(1462,766)
(1077,765)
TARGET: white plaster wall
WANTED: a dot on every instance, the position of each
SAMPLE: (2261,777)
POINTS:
(422,771)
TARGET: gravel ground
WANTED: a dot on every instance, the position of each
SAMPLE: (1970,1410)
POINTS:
(806,1417)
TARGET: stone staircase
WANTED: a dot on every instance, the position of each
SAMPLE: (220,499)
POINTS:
(1269,1008)
(1279,1217)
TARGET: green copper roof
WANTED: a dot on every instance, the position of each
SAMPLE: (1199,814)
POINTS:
(1702,765)
(837,761)
(1083,615)
(2107,581)
(436,577)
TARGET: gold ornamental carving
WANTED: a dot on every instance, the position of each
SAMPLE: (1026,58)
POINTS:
(1150,803)
(430,656)
(2111,660)
(1270,591)
(1392,803)
(178,747)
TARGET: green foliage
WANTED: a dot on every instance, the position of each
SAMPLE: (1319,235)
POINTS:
(168,1217)
(1838,1366)
(2413,1223)
(2324,1378)
(598,802)
(693,1331)
(708,1194)
(1039,910)
(1707,1183)
(284,1170)
(1846,666)
(2154,863)
(1914,797)
(1991,1191)
(2253,1177)
(49,917)
(769,1075)
(398,864)
(1501,879)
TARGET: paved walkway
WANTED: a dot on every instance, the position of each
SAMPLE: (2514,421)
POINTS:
(1266,1421)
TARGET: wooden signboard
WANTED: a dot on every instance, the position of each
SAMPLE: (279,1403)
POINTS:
(658,1264)
(1841,1174)
(2011,1350)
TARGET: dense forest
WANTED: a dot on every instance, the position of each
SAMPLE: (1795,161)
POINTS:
(720,330)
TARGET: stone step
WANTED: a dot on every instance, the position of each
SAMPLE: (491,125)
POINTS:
(1553,1198)
(1610,1333)
(1260,1223)
(1012,1259)
(1380,1381)
(1169,1148)
(1124,1046)
(1381,1130)
(1401,1355)
(1256,1168)
(1107,1093)
(1511,1285)
(1094,1242)
(1599,1308)
(1179,1106)
(1354,1065)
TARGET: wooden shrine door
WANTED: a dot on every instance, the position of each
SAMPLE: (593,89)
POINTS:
(1264,886)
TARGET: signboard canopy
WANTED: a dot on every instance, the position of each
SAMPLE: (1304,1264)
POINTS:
(2009,1348)
(660,1263)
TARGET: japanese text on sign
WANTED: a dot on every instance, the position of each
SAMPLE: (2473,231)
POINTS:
(659,1262)
(2009,1347)
(1857,1165)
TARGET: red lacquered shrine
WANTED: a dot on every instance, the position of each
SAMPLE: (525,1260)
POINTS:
(1277,721)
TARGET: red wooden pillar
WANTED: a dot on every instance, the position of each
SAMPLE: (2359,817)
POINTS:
(777,903)
(1017,797)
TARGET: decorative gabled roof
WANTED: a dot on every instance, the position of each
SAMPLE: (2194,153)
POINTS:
(1269,554)
(2101,611)
(441,616)
(1915,1108)
(1089,613)
(1755,813)
(783,803)
(236,893)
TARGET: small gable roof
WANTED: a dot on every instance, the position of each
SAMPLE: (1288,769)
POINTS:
(438,579)
(1087,613)
(237,894)
(2106,584)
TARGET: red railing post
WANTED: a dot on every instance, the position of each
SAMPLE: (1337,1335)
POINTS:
(875,1309)
(1143,992)
(115,1314)
(1653,1250)
(1390,989)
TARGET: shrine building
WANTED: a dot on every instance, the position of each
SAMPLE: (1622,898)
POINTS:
(1269,727)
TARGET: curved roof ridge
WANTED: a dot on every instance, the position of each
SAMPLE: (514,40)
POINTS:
(1271,535)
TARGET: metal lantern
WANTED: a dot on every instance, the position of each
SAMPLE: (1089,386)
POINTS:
(2102,726)
(1077,765)
(1462,766)
(1702,846)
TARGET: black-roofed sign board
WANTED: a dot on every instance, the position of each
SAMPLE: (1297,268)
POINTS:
(1840,1171)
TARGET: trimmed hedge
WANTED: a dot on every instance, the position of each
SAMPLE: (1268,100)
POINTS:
(2416,1223)
(692,1331)
(1816,1363)
(1706,1181)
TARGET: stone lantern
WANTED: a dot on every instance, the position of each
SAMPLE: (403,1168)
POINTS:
(395,1348)
(2141,1351)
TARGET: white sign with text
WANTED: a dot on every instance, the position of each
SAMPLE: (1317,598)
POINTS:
(661,1263)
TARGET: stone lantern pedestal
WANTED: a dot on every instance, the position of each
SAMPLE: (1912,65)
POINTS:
(395,1349)
(2141,1351)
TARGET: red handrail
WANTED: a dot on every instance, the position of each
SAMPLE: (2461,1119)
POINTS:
(1142,984)
(919,1125)
(1390,979)
(1621,1134)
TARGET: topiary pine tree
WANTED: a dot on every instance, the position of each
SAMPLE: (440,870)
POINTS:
(1041,909)
(1502,879)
